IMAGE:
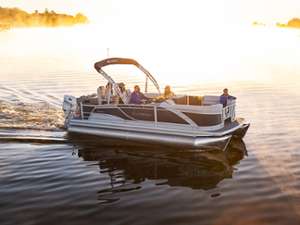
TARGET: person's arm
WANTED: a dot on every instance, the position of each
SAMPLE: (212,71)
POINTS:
(144,97)
(231,97)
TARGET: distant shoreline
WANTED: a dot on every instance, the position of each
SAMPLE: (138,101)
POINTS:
(293,23)
(17,18)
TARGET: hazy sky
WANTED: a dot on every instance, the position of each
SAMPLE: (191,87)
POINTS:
(230,11)
(156,31)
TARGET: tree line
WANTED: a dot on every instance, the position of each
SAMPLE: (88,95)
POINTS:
(293,23)
(14,17)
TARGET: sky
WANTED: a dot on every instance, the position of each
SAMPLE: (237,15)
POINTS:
(206,11)
(175,32)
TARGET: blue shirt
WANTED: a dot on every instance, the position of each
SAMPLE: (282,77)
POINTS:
(225,98)
(136,98)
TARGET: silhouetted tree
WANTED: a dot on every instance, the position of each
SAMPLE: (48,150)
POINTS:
(14,17)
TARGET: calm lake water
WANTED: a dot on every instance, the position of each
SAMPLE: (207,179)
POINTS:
(47,176)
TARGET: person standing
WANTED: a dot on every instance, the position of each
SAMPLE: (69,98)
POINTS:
(225,97)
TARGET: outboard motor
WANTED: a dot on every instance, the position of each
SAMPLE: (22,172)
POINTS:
(69,107)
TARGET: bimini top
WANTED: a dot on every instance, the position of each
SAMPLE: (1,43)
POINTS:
(112,61)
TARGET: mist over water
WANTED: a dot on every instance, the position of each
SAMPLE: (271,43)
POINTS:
(46,172)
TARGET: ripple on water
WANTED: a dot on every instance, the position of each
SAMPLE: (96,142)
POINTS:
(59,180)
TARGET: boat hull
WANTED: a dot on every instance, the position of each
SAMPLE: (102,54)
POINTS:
(174,141)
(180,139)
(241,132)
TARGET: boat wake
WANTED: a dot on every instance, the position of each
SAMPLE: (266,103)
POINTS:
(33,136)
(36,116)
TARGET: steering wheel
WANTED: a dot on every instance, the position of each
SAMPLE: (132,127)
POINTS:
(159,100)
(146,101)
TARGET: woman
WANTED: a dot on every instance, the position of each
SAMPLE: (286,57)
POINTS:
(168,93)
(125,94)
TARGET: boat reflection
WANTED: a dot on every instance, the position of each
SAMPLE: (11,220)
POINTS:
(129,167)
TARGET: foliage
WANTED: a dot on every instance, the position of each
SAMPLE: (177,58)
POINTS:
(14,17)
(293,23)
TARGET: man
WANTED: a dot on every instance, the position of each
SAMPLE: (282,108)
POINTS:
(225,97)
(136,96)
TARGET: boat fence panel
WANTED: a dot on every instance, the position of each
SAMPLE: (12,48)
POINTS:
(229,112)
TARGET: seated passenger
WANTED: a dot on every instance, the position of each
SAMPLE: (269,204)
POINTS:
(137,96)
(125,94)
(108,90)
(225,97)
(122,87)
(101,94)
(168,93)
(104,93)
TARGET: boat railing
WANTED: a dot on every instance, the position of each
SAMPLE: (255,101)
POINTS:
(155,115)
(87,109)
(229,111)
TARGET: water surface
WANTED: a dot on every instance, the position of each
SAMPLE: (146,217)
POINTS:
(46,176)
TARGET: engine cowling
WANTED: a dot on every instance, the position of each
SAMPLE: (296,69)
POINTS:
(69,108)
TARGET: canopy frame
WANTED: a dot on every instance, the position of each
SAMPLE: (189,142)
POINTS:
(123,61)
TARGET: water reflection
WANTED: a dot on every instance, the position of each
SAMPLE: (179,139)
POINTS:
(129,167)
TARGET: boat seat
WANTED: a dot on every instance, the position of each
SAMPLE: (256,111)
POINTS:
(105,96)
(211,100)
(101,94)
(88,100)
(91,101)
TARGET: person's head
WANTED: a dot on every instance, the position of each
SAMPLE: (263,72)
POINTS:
(137,88)
(122,87)
(108,85)
(225,91)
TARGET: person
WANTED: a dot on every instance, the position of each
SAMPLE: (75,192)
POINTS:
(122,87)
(108,90)
(101,94)
(125,94)
(225,97)
(137,96)
(168,93)
(104,94)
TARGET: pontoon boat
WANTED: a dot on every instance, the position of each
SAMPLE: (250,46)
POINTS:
(182,121)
